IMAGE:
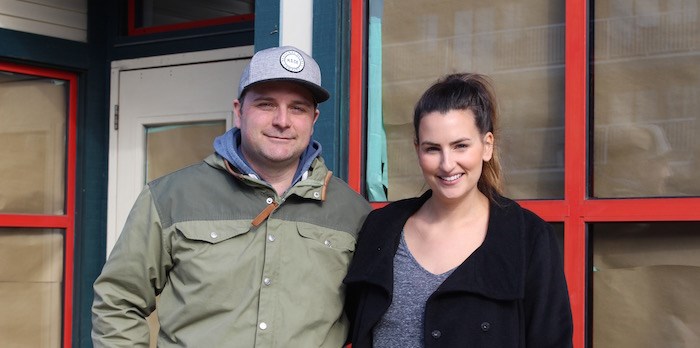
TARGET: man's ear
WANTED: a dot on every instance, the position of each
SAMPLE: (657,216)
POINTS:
(236,113)
(316,113)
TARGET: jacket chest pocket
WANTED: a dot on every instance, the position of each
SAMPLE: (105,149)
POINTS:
(330,248)
(206,246)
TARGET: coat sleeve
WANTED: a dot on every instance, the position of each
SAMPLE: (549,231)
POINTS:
(125,291)
(547,309)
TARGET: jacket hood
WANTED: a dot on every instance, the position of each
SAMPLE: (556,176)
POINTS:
(228,146)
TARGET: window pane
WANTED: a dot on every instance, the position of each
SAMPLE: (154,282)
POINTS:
(165,12)
(171,147)
(520,45)
(646,278)
(33,114)
(646,95)
(31,287)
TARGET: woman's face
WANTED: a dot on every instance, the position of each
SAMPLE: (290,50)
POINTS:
(451,153)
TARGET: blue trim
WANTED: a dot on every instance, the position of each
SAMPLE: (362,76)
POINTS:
(330,46)
(92,166)
(267,21)
(43,50)
(188,40)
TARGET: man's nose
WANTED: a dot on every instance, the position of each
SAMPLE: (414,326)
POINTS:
(281,119)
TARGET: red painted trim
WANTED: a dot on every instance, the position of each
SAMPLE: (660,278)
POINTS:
(575,269)
(131,17)
(133,30)
(648,209)
(70,211)
(377,205)
(551,211)
(66,221)
(575,162)
(355,130)
(33,221)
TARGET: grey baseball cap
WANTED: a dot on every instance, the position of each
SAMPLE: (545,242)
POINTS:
(286,63)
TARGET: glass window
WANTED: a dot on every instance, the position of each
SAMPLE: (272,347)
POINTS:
(32,144)
(31,287)
(646,97)
(156,13)
(174,146)
(520,45)
(37,195)
(646,278)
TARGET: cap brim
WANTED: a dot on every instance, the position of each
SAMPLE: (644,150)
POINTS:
(319,93)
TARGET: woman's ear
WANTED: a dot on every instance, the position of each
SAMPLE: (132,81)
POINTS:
(488,146)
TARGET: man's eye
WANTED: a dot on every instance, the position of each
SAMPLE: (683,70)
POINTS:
(299,109)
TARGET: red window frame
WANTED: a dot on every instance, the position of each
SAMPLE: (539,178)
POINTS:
(577,209)
(132,30)
(66,221)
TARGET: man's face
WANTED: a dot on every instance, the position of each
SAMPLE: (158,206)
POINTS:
(276,120)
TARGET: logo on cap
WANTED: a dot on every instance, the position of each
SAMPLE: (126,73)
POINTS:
(292,61)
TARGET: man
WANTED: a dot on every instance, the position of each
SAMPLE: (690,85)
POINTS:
(248,248)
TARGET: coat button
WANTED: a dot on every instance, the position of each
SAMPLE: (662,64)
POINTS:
(485,326)
(436,334)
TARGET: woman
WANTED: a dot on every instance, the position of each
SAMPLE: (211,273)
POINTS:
(460,266)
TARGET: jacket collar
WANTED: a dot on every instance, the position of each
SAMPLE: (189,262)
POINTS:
(496,269)
(313,185)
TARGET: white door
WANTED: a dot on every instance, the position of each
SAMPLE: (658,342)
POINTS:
(166,112)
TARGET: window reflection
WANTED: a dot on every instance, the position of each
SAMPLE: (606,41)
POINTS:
(33,114)
(194,143)
(167,12)
(646,93)
(31,287)
(645,279)
(519,44)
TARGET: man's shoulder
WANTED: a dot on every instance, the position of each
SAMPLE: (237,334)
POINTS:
(200,171)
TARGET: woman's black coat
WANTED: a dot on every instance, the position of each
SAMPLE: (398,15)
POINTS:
(511,292)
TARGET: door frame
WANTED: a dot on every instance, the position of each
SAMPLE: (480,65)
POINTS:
(144,63)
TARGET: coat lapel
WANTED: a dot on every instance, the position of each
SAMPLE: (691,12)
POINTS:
(497,268)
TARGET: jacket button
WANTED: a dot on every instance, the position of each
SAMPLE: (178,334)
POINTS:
(485,326)
(436,334)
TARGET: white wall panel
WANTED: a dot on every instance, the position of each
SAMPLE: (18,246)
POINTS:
(66,19)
